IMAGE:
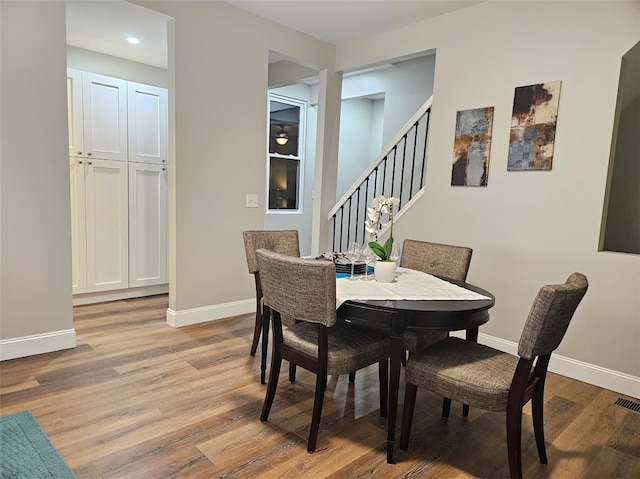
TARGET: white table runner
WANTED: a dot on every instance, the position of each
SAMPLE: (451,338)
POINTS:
(408,284)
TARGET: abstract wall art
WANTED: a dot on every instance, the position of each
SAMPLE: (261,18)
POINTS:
(533,127)
(471,147)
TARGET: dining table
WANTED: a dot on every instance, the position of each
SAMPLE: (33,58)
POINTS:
(413,301)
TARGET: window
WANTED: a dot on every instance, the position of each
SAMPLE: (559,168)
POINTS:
(286,153)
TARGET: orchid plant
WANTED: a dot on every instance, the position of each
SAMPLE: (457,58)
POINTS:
(381,206)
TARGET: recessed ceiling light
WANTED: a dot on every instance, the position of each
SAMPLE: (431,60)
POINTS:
(133,40)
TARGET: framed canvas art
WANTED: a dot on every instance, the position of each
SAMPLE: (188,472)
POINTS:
(471,147)
(533,127)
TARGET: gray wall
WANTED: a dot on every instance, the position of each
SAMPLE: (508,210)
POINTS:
(102,64)
(359,128)
(218,109)
(35,295)
(406,85)
(529,228)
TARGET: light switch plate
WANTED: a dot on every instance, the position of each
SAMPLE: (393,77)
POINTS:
(252,200)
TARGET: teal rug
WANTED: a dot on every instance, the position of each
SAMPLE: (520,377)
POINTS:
(26,452)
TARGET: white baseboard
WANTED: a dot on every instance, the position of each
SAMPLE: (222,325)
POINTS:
(209,313)
(113,295)
(37,344)
(588,373)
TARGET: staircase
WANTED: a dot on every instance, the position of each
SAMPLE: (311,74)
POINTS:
(398,171)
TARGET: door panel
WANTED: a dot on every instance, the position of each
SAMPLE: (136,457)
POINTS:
(74,113)
(147,109)
(78,226)
(105,117)
(147,224)
(107,225)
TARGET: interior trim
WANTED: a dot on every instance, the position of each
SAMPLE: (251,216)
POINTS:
(37,344)
(188,317)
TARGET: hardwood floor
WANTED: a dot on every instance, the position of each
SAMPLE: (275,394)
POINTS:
(139,399)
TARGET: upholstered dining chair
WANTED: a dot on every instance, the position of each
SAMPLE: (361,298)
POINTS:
(446,261)
(306,290)
(281,241)
(490,379)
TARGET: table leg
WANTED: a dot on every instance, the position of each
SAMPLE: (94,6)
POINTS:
(396,350)
(472,334)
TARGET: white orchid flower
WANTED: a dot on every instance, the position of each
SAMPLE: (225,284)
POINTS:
(374,223)
(378,202)
(373,215)
(370,229)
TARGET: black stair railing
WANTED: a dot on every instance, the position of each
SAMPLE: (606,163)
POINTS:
(398,171)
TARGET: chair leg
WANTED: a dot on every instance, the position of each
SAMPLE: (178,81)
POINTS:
(383,376)
(256,332)
(274,374)
(352,377)
(292,372)
(410,393)
(265,346)
(446,407)
(537,407)
(321,381)
(514,432)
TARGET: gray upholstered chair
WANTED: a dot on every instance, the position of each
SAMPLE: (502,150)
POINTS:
(281,241)
(441,260)
(490,379)
(306,290)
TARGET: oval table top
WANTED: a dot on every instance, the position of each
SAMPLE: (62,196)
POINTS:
(434,315)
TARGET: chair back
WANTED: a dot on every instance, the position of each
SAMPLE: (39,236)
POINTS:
(550,315)
(280,241)
(304,289)
(438,259)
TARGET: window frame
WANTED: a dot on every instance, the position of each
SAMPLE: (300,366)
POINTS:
(300,157)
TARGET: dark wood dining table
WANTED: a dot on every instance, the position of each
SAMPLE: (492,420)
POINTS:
(396,316)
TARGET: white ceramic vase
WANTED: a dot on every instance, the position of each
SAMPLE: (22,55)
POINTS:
(385,271)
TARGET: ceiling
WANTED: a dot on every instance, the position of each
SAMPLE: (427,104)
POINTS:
(103,26)
(339,21)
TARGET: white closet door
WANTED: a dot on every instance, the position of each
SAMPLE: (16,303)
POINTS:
(107,225)
(74,113)
(147,107)
(105,117)
(78,226)
(147,224)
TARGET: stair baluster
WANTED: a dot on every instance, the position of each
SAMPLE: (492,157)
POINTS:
(412,137)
